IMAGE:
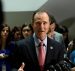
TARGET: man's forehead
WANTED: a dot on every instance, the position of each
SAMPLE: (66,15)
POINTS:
(41,16)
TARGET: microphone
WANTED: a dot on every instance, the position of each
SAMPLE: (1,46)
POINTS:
(64,65)
(58,67)
(69,61)
(52,68)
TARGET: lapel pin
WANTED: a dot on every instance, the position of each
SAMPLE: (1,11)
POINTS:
(51,47)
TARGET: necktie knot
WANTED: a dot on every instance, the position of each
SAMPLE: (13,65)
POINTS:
(41,44)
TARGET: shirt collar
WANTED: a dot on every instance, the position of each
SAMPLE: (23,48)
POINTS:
(37,41)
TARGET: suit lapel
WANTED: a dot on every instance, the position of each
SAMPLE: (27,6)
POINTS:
(32,50)
(49,53)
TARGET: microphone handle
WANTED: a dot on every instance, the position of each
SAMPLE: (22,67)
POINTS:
(52,68)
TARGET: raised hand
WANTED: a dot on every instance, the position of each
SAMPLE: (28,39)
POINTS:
(22,67)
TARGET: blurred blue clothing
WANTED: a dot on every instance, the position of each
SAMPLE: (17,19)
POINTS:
(72,56)
(5,61)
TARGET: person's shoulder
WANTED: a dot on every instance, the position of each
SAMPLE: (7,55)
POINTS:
(59,34)
(53,42)
(20,42)
(24,41)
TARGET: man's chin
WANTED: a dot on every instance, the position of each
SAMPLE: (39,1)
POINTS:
(41,36)
(41,33)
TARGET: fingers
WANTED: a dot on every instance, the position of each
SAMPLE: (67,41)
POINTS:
(22,67)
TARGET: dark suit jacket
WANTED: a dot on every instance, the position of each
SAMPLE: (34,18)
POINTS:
(25,52)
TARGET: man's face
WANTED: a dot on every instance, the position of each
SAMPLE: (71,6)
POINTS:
(41,25)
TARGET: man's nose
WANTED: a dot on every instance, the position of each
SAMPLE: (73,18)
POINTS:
(41,25)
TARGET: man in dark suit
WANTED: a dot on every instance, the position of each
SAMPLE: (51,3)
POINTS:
(26,50)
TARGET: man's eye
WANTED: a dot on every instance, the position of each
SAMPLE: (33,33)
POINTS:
(38,23)
(45,23)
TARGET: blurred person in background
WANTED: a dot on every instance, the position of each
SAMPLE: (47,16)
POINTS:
(72,51)
(16,34)
(64,31)
(65,35)
(53,34)
(4,47)
(26,30)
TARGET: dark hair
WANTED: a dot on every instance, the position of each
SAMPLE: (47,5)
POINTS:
(63,30)
(24,25)
(52,19)
(14,30)
(31,28)
(1,13)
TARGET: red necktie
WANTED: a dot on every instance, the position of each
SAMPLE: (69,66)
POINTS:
(41,55)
